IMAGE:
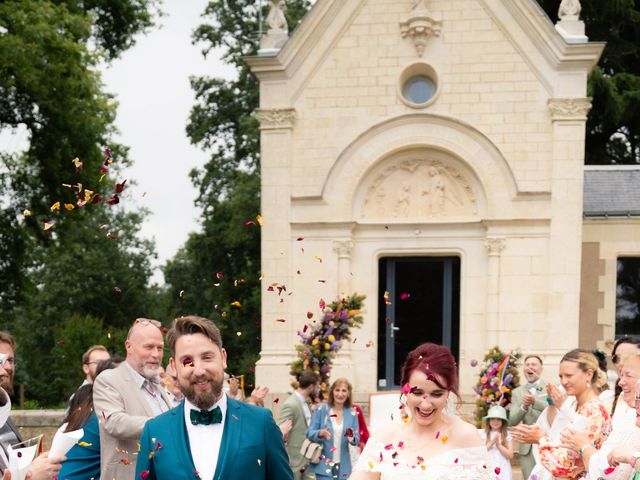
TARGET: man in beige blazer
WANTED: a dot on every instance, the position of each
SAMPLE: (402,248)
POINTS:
(527,403)
(296,409)
(125,397)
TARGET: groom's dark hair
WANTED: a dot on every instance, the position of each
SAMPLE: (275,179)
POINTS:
(190,325)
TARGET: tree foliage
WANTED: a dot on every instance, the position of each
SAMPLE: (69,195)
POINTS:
(222,122)
(613,125)
(50,89)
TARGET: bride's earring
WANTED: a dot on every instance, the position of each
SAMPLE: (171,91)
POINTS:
(405,414)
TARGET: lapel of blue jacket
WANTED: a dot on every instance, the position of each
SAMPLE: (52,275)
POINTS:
(230,440)
(183,447)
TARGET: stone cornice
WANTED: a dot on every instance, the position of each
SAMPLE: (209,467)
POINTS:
(276,118)
(569,108)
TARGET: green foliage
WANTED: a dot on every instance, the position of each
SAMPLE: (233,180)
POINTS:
(498,377)
(613,125)
(74,336)
(49,86)
(223,123)
(319,344)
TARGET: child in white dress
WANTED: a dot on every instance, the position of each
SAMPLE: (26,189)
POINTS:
(498,442)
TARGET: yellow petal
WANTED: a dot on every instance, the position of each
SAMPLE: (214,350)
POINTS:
(236,303)
(69,206)
(259,219)
(55,207)
(26,212)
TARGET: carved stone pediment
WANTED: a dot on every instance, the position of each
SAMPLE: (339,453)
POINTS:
(418,189)
(420,25)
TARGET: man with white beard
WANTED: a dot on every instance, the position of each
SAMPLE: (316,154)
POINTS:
(125,397)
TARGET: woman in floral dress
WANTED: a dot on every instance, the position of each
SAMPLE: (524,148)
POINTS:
(580,409)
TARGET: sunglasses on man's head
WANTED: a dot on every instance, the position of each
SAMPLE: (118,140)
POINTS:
(148,321)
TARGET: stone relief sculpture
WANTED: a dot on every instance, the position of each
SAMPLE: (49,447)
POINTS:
(420,26)
(419,189)
(569,8)
(419,5)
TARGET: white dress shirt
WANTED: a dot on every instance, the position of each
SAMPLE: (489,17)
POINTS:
(305,407)
(205,440)
(155,399)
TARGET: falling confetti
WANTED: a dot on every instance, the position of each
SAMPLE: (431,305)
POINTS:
(404,296)
(387,298)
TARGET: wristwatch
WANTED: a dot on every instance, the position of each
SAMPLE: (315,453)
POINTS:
(584,447)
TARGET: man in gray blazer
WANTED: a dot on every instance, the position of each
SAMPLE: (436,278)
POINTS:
(527,403)
(125,397)
(296,409)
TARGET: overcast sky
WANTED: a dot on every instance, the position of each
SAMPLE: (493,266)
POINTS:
(151,82)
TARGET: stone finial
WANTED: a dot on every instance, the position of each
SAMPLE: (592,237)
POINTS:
(569,10)
(420,25)
(276,20)
(278,30)
(570,26)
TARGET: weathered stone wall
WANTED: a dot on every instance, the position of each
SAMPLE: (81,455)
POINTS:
(35,422)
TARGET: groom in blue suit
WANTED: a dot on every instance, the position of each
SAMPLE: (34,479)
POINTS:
(209,436)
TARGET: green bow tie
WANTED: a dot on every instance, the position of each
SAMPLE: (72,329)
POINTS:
(205,417)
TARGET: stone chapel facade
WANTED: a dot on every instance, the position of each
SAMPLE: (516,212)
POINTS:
(434,147)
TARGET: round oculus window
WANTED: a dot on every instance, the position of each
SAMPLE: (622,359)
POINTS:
(419,89)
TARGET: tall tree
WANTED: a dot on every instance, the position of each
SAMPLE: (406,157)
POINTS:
(613,125)
(62,257)
(228,246)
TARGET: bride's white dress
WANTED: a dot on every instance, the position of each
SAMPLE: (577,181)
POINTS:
(394,462)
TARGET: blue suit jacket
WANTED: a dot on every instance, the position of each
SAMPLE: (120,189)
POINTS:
(319,420)
(251,448)
(83,461)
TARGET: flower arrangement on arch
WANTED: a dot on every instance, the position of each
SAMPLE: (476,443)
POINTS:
(321,341)
(497,379)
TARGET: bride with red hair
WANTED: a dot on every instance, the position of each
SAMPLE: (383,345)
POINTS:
(429,444)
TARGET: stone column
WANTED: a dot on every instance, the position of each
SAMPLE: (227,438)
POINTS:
(343,249)
(494,246)
(278,327)
(569,116)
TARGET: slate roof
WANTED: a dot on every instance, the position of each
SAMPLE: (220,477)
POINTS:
(611,191)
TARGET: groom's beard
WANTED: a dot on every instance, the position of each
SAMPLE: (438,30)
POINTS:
(203,399)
